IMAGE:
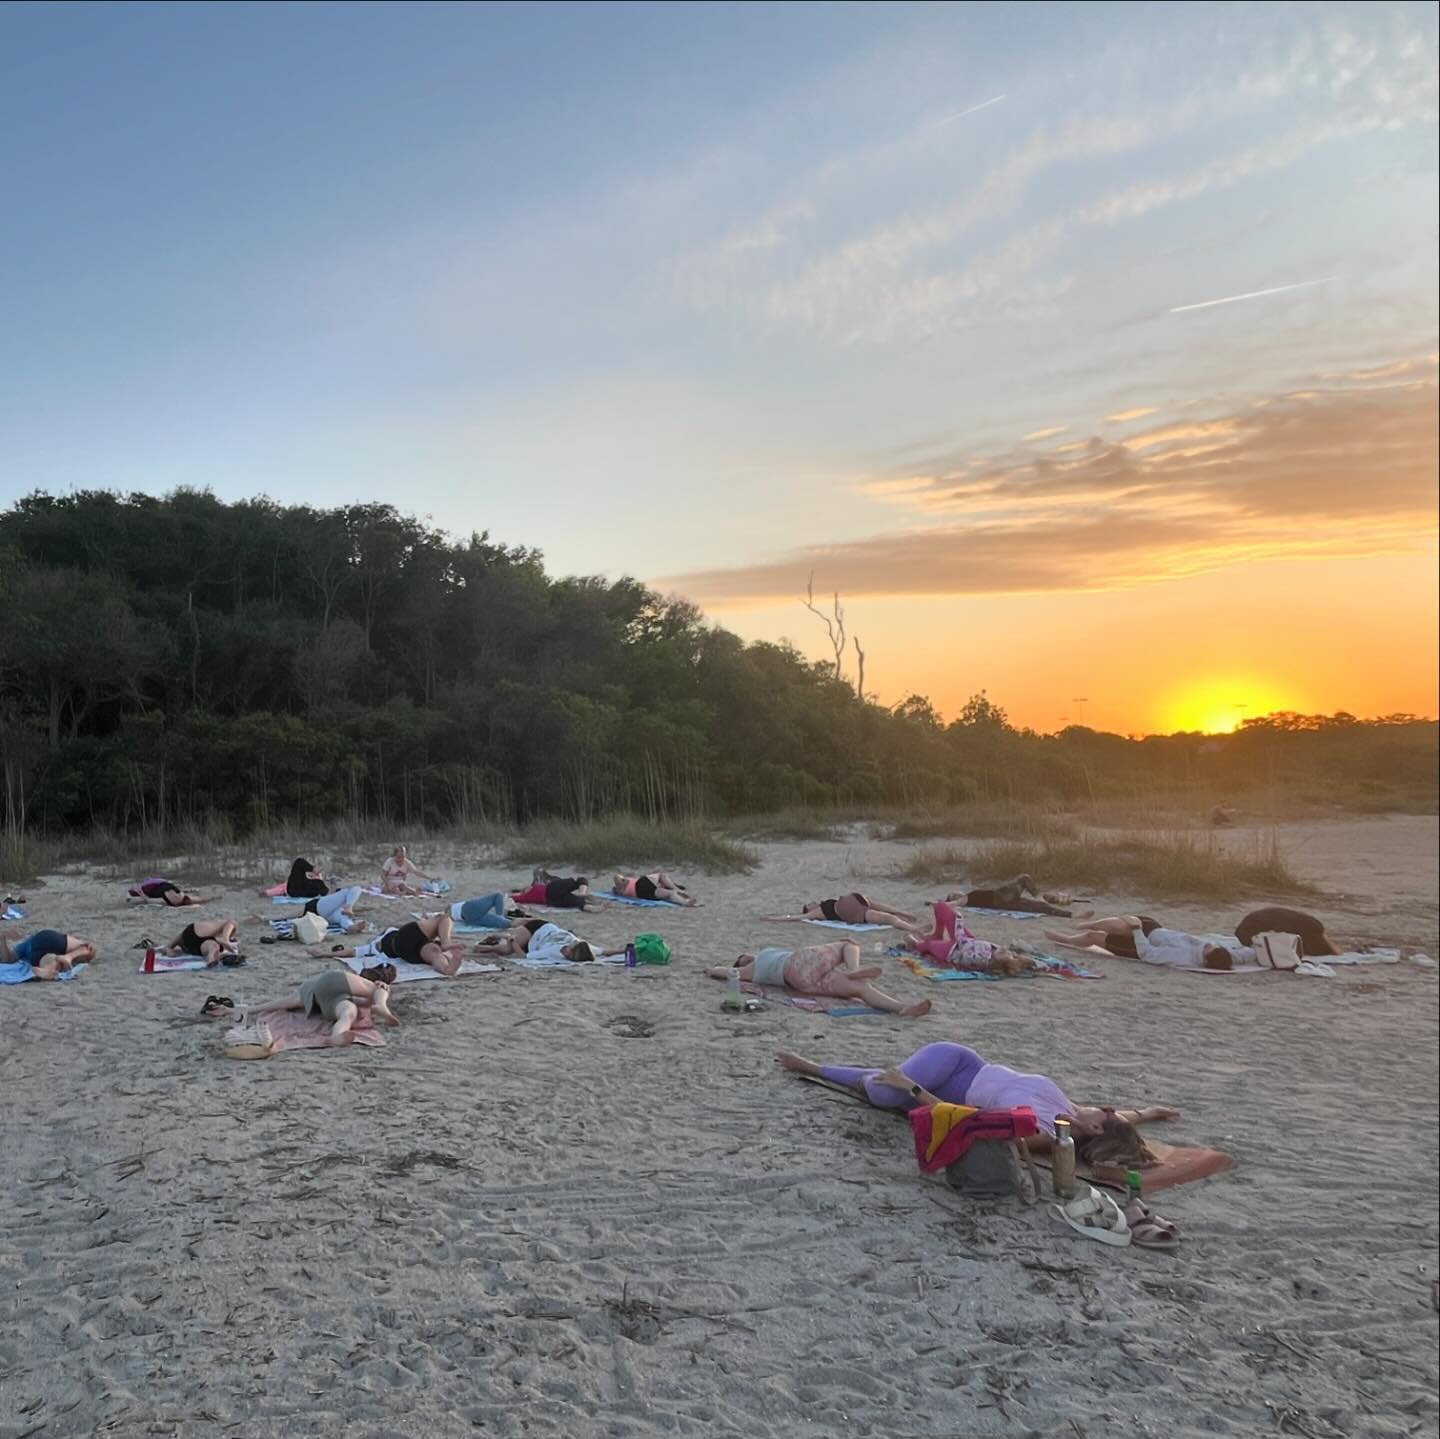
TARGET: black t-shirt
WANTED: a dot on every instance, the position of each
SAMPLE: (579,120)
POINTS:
(404,943)
(560,894)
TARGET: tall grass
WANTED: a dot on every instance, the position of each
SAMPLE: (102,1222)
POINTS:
(980,822)
(627,839)
(1173,865)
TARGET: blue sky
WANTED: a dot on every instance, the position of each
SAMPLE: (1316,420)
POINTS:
(716,295)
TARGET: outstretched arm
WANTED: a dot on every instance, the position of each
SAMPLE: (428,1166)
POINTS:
(1155,1114)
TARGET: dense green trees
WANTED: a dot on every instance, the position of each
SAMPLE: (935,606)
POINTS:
(183,658)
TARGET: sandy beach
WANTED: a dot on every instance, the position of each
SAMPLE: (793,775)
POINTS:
(587,1202)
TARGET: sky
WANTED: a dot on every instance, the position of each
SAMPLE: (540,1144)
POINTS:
(1087,351)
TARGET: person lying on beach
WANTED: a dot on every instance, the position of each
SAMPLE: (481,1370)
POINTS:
(822,969)
(1275,919)
(656,885)
(956,1074)
(167,891)
(338,908)
(424,941)
(489,911)
(1018,894)
(304,881)
(49,952)
(1179,950)
(539,939)
(213,940)
(1114,933)
(853,908)
(557,892)
(951,942)
(343,1000)
(398,872)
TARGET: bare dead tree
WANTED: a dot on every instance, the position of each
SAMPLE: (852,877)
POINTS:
(860,677)
(834,624)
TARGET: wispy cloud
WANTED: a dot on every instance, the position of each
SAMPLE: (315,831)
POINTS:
(1047,434)
(1342,471)
(973,110)
(1122,417)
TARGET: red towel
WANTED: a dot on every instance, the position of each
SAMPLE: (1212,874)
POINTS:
(1002,1124)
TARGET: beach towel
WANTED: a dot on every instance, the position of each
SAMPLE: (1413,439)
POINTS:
(292,1030)
(404,970)
(943,1133)
(1049,968)
(1005,913)
(546,961)
(22,970)
(812,1003)
(287,927)
(829,923)
(170,963)
(643,903)
(1175,1164)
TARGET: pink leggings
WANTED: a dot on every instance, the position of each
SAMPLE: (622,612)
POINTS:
(948,932)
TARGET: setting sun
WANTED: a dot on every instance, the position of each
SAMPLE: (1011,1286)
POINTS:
(1221,706)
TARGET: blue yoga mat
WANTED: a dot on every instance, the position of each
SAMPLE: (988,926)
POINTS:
(22,969)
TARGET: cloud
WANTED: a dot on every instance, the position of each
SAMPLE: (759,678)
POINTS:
(1121,417)
(1046,434)
(1338,472)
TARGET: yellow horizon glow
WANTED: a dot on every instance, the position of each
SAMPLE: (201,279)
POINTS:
(1221,704)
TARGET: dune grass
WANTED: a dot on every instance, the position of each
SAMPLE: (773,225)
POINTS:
(1175,865)
(980,822)
(629,840)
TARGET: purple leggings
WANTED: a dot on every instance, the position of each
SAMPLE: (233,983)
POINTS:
(946,1070)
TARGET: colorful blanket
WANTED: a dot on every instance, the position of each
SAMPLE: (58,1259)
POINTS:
(1047,968)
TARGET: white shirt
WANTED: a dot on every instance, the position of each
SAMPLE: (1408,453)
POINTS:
(549,941)
(1186,951)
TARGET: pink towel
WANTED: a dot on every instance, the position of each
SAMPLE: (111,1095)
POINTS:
(293,1030)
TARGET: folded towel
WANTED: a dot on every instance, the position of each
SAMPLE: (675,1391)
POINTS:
(944,1132)
(406,971)
(21,970)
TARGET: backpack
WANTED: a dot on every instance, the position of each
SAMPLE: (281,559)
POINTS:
(651,949)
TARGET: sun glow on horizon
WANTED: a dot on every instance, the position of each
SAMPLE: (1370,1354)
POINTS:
(1220,705)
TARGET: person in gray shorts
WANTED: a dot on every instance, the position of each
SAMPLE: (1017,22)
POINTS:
(339,998)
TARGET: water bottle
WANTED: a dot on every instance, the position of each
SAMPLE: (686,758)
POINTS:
(734,995)
(1133,1187)
(631,960)
(1062,1160)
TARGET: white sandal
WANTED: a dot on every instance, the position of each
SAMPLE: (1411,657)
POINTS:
(1096,1216)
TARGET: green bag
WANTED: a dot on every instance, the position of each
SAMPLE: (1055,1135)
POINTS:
(651,949)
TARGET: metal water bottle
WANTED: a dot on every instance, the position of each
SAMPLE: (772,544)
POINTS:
(1062,1160)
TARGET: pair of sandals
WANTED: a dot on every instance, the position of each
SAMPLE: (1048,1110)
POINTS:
(1096,1215)
(216,1005)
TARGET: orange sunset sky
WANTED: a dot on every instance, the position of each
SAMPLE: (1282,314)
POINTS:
(1089,351)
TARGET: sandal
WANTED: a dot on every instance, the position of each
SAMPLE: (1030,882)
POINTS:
(1096,1216)
(216,1004)
(269,939)
(232,961)
(1149,1230)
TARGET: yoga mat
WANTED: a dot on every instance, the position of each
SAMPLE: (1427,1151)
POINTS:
(405,971)
(1176,1163)
(811,1003)
(528,961)
(822,923)
(1006,913)
(22,970)
(644,903)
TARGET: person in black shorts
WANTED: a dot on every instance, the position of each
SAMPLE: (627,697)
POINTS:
(424,941)
(557,892)
(1018,894)
(1114,934)
(657,885)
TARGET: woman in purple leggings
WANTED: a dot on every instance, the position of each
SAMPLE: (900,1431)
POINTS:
(956,1074)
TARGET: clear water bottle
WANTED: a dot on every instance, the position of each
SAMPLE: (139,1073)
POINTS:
(734,995)
(1062,1160)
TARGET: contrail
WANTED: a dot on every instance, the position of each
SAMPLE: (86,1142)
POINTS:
(961,114)
(1250,295)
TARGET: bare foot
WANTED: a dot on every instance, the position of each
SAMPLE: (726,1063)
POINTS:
(796,1064)
(914,1011)
(380,1005)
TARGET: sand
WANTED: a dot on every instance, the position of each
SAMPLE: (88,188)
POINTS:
(516,1220)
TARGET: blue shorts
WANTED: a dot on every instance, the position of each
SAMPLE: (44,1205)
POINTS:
(40,945)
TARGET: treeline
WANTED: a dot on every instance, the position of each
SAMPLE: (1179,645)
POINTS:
(183,659)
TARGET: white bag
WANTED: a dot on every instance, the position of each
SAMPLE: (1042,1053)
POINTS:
(250,1039)
(310,929)
(1276,950)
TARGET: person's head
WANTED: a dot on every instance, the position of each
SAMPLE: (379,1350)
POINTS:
(579,952)
(743,959)
(807,905)
(1102,1137)
(1004,961)
(379,973)
(300,868)
(1216,956)
(400,854)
